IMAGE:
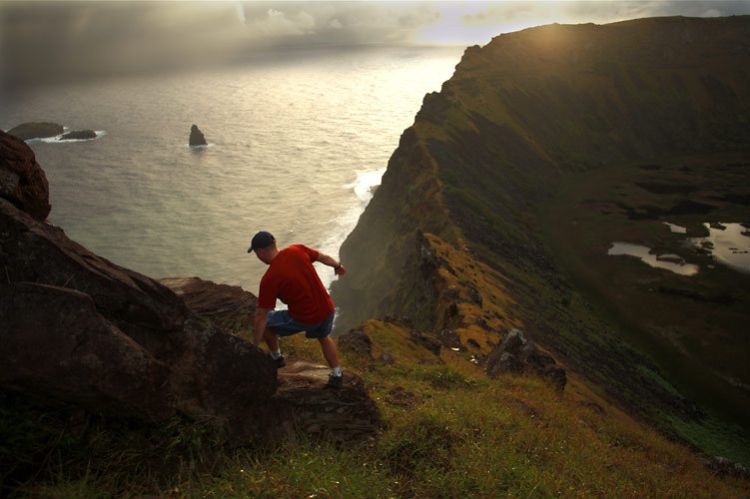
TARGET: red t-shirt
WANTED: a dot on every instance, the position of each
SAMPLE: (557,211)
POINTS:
(292,278)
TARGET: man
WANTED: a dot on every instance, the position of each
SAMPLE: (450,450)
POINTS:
(291,277)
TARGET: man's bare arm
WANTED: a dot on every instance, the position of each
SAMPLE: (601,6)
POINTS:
(331,262)
(261,318)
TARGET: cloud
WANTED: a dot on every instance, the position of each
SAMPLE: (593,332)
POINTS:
(44,41)
(279,24)
(597,11)
(337,23)
(478,22)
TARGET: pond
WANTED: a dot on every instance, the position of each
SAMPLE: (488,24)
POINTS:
(677,229)
(728,243)
(673,263)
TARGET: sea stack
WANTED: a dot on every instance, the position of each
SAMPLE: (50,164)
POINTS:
(79,135)
(196,137)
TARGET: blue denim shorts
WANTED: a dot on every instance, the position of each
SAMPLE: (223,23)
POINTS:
(282,324)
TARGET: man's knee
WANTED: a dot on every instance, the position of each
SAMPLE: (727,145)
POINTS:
(327,340)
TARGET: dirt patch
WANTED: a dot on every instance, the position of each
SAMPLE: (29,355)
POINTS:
(398,396)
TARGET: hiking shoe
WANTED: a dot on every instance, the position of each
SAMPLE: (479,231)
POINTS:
(335,381)
(279,362)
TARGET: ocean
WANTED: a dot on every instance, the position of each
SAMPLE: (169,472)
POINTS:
(296,146)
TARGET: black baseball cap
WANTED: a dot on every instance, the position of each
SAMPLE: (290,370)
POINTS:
(261,240)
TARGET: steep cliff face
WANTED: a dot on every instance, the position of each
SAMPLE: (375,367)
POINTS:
(489,166)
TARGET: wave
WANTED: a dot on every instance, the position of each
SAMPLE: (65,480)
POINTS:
(58,138)
(363,187)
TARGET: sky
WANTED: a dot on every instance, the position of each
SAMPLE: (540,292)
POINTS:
(51,40)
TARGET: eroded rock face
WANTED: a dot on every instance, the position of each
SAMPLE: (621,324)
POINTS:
(196,137)
(516,354)
(22,181)
(36,130)
(54,343)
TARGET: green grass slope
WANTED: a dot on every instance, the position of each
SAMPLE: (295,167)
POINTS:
(449,432)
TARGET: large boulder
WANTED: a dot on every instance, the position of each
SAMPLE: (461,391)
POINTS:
(516,354)
(196,137)
(304,402)
(54,343)
(22,181)
(36,130)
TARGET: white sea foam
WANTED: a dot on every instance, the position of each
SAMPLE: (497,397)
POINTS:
(58,138)
(363,187)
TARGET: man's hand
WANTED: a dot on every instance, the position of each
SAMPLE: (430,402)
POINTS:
(338,269)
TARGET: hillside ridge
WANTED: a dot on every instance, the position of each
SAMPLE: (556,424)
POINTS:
(529,116)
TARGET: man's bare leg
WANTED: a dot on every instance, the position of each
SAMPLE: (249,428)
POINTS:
(271,340)
(329,351)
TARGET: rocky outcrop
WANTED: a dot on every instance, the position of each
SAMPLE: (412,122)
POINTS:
(516,354)
(356,341)
(22,181)
(36,130)
(304,402)
(230,308)
(95,321)
(66,350)
(196,137)
(80,329)
(79,135)
(43,254)
(727,468)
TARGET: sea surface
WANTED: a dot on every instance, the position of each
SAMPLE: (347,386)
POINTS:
(295,147)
